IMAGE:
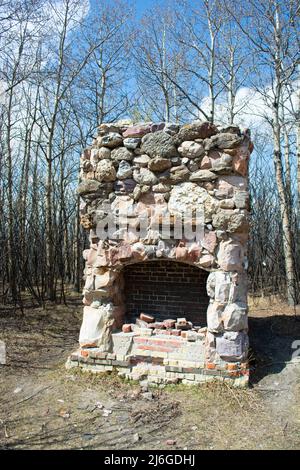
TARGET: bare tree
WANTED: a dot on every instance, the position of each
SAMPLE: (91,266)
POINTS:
(267,26)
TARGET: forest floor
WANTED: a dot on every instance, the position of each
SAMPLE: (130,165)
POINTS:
(45,406)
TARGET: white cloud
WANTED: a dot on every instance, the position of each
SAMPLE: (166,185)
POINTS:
(253,108)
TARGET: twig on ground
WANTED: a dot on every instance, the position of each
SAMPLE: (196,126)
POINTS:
(33,394)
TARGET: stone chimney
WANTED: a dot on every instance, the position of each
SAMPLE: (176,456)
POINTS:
(165,294)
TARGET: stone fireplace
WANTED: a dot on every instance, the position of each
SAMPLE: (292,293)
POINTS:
(165,294)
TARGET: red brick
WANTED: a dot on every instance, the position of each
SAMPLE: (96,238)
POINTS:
(176,332)
(147,318)
(169,323)
(210,365)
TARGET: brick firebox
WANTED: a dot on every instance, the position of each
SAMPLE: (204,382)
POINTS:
(166,289)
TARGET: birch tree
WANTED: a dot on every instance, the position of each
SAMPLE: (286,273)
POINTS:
(268,26)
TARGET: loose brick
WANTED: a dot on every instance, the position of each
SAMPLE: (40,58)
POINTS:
(84,353)
(147,318)
(210,365)
(169,323)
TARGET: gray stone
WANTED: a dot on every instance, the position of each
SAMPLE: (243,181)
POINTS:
(108,127)
(157,126)
(192,166)
(176,161)
(122,153)
(179,174)
(230,220)
(137,192)
(232,345)
(203,175)
(144,176)
(226,141)
(125,186)
(159,164)
(147,395)
(159,144)
(132,142)
(235,317)
(92,189)
(122,343)
(124,170)
(142,160)
(161,188)
(227,204)
(171,128)
(241,199)
(196,130)
(104,152)
(111,140)
(221,166)
(229,130)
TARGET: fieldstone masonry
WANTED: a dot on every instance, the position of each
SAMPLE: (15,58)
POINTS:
(138,183)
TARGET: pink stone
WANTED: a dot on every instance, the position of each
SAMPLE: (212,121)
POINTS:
(137,131)
(205,163)
(209,241)
(181,252)
(230,256)
(194,252)
(240,164)
(124,251)
(91,256)
(126,328)
(214,155)
(206,261)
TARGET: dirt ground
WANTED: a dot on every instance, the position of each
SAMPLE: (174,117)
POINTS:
(44,406)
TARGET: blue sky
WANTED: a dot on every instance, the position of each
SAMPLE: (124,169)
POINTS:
(142,5)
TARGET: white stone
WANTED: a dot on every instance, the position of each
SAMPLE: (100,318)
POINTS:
(214,317)
(191,149)
(235,317)
(96,326)
(105,171)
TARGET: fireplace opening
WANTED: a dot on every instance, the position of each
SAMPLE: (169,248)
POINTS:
(166,289)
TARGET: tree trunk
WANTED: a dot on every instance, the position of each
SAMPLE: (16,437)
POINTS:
(284,212)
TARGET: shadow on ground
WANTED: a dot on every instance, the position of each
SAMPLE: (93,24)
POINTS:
(273,341)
